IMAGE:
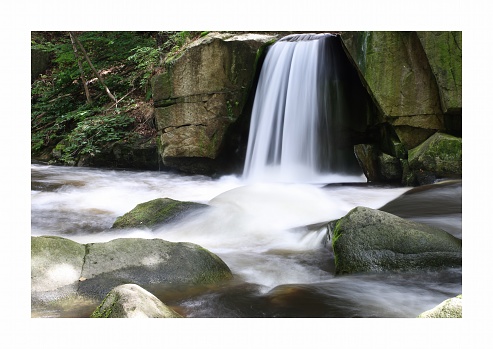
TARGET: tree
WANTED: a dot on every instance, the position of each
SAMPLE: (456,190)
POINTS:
(98,76)
(82,77)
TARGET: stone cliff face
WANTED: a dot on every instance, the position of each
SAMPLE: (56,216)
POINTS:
(201,95)
(413,78)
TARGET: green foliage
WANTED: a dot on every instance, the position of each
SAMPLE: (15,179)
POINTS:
(63,122)
(61,118)
(144,58)
(92,134)
(177,40)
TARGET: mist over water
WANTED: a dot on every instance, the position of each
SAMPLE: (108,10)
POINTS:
(267,233)
(270,224)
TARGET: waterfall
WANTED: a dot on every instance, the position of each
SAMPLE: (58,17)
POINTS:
(299,114)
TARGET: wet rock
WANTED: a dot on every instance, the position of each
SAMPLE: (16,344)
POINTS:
(371,240)
(132,301)
(155,212)
(441,155)
(450,308)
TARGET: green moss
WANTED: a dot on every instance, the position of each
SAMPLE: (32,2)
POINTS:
(372,240)
(154,212)
(440,154)
(103,310)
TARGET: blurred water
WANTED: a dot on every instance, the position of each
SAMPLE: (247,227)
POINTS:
(267,233)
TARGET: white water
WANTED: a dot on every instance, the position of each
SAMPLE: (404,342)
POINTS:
(260,224)
(285,137)
(254,227)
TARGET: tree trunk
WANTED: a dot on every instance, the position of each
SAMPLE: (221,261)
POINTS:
(83,79)
(94,69)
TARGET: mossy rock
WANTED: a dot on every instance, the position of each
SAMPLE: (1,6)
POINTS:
(61,268)
(155,212)
(444,52)
(56,263)
(394,67)
(368,240)
(450,308)
(441,154)
(147,262)
(132,301)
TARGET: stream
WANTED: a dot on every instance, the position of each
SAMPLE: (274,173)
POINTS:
(271,235)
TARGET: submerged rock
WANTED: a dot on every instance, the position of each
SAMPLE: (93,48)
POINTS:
(450,308)
(152,213)
(132,301)
(371,240)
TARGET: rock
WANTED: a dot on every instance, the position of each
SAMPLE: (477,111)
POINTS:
(149,261)
(371,240)
(378,166)
(61,267)
(444,52)
(155,212)
(442,198)
(450,308)
(56,265)
(415,79)
(139,154)
(396,70)
(441,154)
(438,205)
(390,167)
(202,93)
(132,301)
(367,155)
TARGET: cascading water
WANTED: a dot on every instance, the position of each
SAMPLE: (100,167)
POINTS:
(271,235)
(300,114)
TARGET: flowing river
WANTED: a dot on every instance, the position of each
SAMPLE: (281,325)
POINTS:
(269,234)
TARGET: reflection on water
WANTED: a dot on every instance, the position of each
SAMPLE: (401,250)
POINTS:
(266,233)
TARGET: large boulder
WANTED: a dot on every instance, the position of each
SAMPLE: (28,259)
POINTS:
(62,268)
(440,155)
(371,240)
(56,266)
(395,69)
(132,301)
(201,94)
(449,308)
(155,212)
(444,52)
(149,261)
(415,80)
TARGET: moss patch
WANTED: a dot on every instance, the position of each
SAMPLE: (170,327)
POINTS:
(152,213)
(440,154)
